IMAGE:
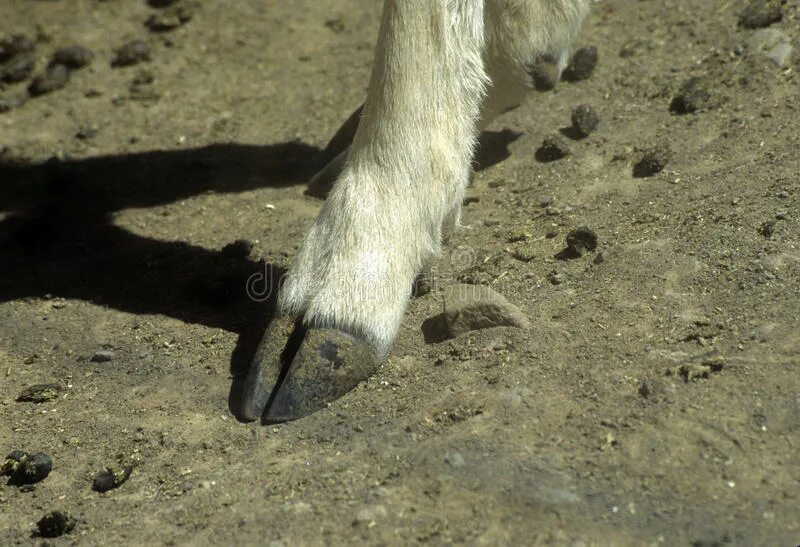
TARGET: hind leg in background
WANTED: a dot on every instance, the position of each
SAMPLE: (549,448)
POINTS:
(402,178)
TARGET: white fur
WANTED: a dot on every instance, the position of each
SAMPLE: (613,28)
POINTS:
(443,69)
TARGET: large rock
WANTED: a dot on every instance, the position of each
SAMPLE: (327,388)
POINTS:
(472,307)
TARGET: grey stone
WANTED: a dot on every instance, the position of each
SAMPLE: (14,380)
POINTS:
(781,55)
(473,307)
(102,356)
(766,38)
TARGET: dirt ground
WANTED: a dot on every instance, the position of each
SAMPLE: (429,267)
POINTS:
(655,399)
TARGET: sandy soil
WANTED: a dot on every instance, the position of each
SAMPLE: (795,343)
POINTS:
(655,400)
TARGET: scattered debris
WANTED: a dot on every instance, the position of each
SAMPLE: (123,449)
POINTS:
(700,367)
(40,393)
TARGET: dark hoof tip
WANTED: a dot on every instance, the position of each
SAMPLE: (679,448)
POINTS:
(299,370)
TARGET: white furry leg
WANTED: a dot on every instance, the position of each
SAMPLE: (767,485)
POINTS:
(405,172)
(527,42)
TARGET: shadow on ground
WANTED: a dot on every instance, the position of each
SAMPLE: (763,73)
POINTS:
(57,240)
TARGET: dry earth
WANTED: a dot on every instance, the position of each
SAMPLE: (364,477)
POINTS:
(654,400)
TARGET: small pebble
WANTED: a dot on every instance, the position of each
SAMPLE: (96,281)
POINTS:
(131,53)
(760,13)
(54,77)
(102,356)
(108,479)
(86,133)
(55,524)
(16,70)
(170,18)
(693,96)
(584,120)
(73,56)
(652,161)
(582,64)
(40,393)
(553,148)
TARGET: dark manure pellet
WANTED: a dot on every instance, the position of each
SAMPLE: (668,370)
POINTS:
(579,240)
(584,120)
(652,161)
(131,53)
(553,148)
(760,13)
(55,524)
(582,65)
(16,70)
(53,78)
(73,57)
(24,468)
(693,96)
(12,46)
(40,393)
(108,479)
